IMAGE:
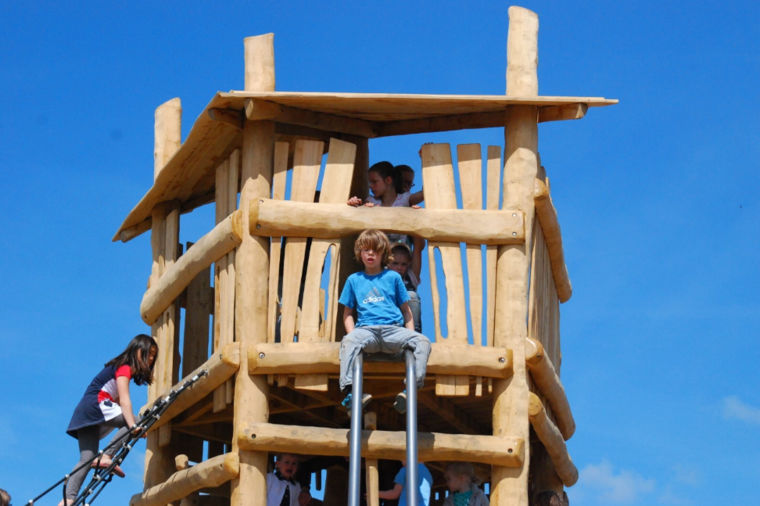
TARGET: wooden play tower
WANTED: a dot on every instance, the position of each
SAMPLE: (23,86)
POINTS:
(257,295)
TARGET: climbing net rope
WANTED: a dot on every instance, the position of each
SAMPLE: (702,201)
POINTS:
(125,443)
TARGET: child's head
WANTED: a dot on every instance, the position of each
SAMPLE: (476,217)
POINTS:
(5,498)
(383,176)
(286,464)
(140,356)
(459,476)
(372,247)
(402,258)
(407,176)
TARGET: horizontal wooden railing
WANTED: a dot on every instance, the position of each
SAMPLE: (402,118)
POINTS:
(323,358)
(211,473)
(209,248)
(498,450)
(220,367)
(287,218)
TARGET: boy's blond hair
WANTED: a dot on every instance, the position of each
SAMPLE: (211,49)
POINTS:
(376,241)
(464,469)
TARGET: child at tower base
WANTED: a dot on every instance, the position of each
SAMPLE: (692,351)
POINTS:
(398,491)
(384,322)
(282,487)
(463,485)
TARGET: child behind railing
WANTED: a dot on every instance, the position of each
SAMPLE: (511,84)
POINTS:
(409,265)
(463,485)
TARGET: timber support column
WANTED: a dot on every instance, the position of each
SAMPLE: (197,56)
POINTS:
(509,486)
(252,274)
(159,463)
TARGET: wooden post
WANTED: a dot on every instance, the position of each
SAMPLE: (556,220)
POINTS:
(373,478)
(159,463)
(510,412)
(252,272)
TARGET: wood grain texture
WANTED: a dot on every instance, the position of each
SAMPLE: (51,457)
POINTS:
(552,440)
(510,417)
(549,385)
(306,166)
(506,451)
(279,182)
(547,215)
(275,218)
(211,473)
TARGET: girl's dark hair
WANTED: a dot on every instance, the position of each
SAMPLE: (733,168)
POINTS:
(385,170)
(142,373)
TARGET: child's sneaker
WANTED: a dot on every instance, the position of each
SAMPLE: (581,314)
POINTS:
(400,404)
(348,401)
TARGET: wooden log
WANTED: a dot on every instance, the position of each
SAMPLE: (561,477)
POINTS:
(257,109)
(209,248)
(548,382)
(232,117)
(274,218)
(547,216)
(553,441)
(505,451)
(130,233)
(210,473)
(221,366)
(167,134)
(181,462)
(510,486)
(323,358)
(252,271)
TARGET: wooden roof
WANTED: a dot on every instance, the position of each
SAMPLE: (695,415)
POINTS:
(189,175)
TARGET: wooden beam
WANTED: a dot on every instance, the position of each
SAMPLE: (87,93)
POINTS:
(251,273)
(510,486)
(130,233)
(451,413)
(552,440)
(220,367)
(210,473)
(323,358)
(232,117)
(546,379)
(209,248)
(274,218)
(547,216)
(505,451)
(256,109)
(561,112)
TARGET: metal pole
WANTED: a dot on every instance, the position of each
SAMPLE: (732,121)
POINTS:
(412,476)
(355,459)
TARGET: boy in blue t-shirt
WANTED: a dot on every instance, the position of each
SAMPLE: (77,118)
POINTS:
(398,491)
(385,323)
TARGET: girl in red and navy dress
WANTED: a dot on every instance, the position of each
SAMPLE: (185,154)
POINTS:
(106,406)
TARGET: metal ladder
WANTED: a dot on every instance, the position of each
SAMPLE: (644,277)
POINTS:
(355,459)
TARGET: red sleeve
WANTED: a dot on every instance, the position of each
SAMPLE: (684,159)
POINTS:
(125,371)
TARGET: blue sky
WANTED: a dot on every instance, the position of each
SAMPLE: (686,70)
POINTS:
(657,198)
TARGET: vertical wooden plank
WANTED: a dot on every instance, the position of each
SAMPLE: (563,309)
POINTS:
(197,311)
(440,193)
(509,486)
(373,477)
(226,190)
(307,161)
(470,179)
(279,181)
(252,273)
(336,186)
(492,204)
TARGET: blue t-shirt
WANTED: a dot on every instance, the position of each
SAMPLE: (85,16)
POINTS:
(425,485)
(376,298)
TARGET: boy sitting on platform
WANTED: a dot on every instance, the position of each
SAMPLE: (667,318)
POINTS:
(282,488)
(385,323)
